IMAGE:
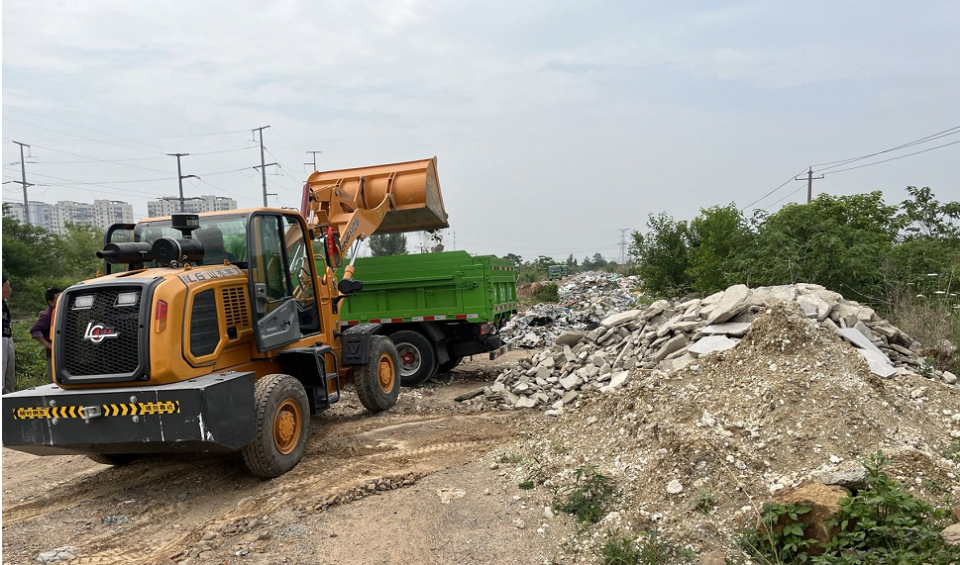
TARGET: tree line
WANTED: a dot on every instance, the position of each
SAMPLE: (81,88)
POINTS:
(856,245)
(35,259)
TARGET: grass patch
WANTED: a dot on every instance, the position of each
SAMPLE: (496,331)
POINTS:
(705,502)
(588,497)
(526,485)
(649,549)
(509,458)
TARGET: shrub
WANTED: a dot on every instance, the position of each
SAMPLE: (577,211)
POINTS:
(588,497)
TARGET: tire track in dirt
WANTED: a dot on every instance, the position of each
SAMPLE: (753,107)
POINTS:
(343,455)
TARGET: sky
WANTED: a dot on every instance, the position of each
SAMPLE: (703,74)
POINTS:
(556,124)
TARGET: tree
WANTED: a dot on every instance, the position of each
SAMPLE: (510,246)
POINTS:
(388,244)
(662,255)
(716,238)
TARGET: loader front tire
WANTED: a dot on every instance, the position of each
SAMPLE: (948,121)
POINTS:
(283,426)
(115,459)
(378,382)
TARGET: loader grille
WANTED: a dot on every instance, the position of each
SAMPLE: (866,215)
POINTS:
(235,306)
(204,326)
(101,336)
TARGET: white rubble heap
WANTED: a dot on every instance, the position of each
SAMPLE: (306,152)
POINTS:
(667,336)
(585,300)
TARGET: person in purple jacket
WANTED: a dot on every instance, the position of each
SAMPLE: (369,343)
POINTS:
(42,328)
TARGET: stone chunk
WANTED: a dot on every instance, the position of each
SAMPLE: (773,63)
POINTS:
(712,343)
(824,503)
(951,535)
(570,382)
(655,309)
(949,378)
(570,338)
(853,479)
(526,402)
(814,307)
(731,304)
(569,397)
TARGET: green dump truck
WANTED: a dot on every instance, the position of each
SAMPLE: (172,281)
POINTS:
(436,307)
(556,272)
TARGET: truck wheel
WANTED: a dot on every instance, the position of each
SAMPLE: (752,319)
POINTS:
(418,361)
(377,382)
(453,362)
(115,459)
(283,425)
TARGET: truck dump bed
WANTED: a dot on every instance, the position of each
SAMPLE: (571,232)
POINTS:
(433,287)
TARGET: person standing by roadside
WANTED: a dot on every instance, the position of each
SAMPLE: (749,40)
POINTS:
(42,328)
(9,356)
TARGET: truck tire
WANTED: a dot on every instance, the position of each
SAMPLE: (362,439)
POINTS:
(418,360)
(453,362)
(377,382)
(283,426)
(115,459)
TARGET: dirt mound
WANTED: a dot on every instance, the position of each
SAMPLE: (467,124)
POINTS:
(729,429)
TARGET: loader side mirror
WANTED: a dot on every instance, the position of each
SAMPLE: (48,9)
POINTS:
(348,287)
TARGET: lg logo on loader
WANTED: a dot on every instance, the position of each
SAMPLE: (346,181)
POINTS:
(98,332)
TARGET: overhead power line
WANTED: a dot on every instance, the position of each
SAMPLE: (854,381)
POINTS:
(893,158)
(932,137)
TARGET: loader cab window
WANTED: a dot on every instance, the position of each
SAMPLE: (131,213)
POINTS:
(224,237)
(282,275)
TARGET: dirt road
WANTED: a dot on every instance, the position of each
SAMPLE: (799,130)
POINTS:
(404,486)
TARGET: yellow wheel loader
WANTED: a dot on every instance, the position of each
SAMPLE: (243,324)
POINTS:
(220,331)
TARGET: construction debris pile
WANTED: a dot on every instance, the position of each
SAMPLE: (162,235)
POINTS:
(696,450)
(669,336)
(585,300)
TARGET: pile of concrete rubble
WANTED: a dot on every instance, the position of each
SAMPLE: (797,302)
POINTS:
(669,336)
(585,300)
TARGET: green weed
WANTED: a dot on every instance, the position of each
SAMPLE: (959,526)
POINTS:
(588,497)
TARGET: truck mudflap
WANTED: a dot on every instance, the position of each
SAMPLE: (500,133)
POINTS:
(211,413)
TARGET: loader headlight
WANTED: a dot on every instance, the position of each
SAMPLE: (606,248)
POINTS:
(83,302)
(126,299)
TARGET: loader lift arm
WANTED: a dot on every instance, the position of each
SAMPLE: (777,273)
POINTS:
(350,205)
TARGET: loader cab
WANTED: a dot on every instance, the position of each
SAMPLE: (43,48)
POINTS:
(272,247)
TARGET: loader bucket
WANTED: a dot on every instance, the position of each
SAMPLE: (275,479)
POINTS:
(413,190)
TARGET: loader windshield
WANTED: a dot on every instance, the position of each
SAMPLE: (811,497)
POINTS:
(223,237)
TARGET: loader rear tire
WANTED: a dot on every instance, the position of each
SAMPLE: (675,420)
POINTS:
(283,426)
(115,459)
(378,382)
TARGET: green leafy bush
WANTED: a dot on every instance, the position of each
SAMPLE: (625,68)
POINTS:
(618,549)
(31,361)
(881,525)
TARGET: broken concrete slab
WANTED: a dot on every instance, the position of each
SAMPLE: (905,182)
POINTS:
(712,343)
(731,329)
(859,340)
(671,345)
(621,319)
(878,362)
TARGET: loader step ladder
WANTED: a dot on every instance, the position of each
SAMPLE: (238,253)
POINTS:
(309,365)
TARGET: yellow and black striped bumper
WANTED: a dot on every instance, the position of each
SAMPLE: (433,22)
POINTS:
(209,413)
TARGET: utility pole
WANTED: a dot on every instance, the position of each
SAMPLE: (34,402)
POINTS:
(263,165)
(181,176)
(810,178)
(623,245)
(23,173)
(314,159)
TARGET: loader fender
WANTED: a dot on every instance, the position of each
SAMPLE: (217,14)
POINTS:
(355,342)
